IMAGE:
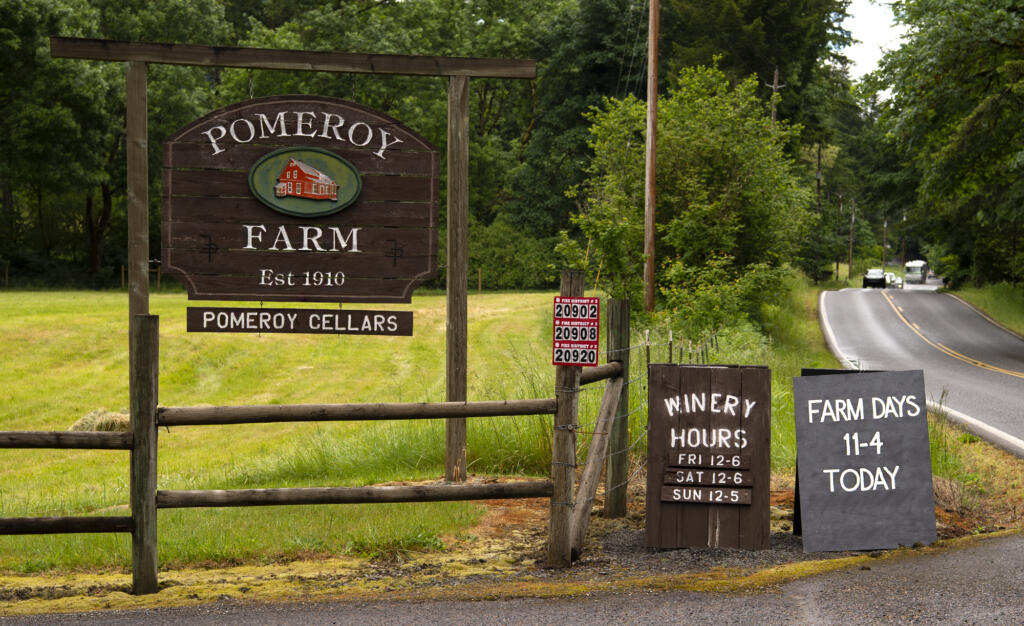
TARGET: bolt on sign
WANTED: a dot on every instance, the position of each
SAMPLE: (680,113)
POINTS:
(863,461)
(577,323)
(300,198)
(708,456)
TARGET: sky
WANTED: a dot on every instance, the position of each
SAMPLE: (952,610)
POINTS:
(872,24)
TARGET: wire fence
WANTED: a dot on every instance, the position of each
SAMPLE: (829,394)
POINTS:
(643,351)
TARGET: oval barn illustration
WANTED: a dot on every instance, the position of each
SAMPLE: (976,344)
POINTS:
(300,180)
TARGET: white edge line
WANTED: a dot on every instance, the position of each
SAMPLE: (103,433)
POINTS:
(994,436)
(974,426)
(830,338)
(984,315)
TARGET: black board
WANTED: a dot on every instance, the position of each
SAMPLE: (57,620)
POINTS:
(863,462)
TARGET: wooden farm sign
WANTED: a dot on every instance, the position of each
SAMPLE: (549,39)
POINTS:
(863,461)
(300,198)
(708,455)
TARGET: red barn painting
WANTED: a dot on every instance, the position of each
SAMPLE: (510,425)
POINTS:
(303,181)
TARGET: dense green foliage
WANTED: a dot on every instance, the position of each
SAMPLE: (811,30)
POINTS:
(956,120)
(62,217)
(729,212)
(930,170)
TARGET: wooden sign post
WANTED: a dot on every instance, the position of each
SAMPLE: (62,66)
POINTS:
(708,457)
(864,465)
(458,70)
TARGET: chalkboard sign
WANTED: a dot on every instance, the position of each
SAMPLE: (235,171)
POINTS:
(864,467)
(708,457)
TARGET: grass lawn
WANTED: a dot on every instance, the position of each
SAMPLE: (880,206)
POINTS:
(66,353)
(1002,302)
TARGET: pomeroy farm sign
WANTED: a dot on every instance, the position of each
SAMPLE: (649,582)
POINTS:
(300,198)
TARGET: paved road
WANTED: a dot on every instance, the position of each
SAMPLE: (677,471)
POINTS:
(971,366)
(958,587)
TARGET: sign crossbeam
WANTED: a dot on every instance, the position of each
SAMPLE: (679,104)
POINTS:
(300,60)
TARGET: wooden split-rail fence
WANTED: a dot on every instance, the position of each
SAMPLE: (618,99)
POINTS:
(570,508)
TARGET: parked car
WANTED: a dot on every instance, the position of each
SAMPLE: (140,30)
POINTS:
(874,277)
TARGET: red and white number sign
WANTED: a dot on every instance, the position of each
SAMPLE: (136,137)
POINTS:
(577,321)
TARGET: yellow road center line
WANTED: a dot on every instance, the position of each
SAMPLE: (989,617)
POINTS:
(947,351)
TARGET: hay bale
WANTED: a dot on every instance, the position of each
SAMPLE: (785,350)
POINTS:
(103,421)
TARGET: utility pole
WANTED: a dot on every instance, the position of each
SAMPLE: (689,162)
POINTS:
(903,241)
(775,87)
(885,233)
(651,152)
(837,228)
(853,213)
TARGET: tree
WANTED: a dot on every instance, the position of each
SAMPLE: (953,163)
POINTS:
(958,113)
(591,49)
(730,210)
(757,37)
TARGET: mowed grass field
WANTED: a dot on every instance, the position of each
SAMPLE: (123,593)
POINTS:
(65,354)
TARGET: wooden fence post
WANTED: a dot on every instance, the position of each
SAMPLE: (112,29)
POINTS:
(617,467)
(458,260)
(563,446)
(145,341)
(592,470)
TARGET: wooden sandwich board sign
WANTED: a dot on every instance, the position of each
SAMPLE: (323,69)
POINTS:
(708,457)
(300,198)
(863,461)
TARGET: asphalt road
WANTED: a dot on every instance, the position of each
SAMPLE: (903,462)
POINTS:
(956,587)
(971,366)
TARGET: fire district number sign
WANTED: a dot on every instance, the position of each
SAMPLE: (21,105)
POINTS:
(576,331)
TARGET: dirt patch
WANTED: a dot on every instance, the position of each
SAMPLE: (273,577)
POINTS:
(504,555)
(990,500)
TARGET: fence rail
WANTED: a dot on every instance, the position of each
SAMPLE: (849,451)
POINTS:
(64,525)
(219,415)
(350,495)
(27,439)
(609,448)
(601,372)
